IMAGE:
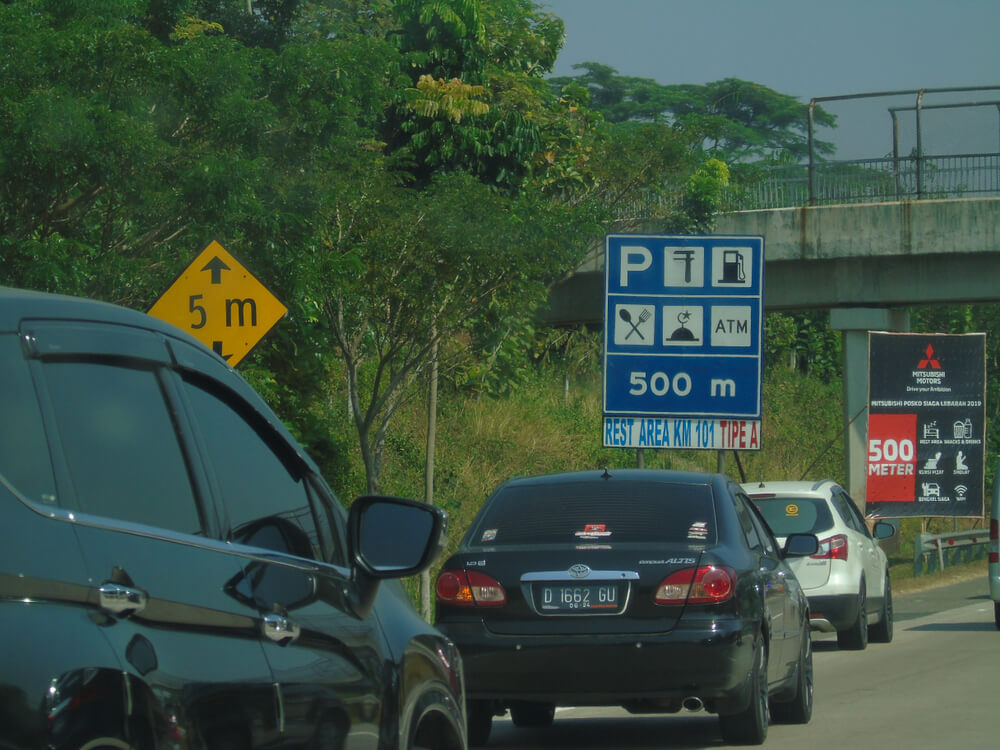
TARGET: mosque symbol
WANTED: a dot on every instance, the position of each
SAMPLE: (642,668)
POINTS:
(683,333)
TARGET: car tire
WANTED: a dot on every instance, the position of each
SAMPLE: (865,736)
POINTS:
(881,631)
(749,726)
(798,710)
(996,614)
(480,722)
(532,714)
(855,638)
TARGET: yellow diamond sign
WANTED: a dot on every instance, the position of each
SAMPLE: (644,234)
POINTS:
(220,303)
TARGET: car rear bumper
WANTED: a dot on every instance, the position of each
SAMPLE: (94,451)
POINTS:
(710,663)
(831,613)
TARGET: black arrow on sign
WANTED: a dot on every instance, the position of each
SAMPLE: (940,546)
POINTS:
(216,266)
(217,346)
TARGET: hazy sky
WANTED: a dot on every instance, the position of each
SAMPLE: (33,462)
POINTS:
(812,48)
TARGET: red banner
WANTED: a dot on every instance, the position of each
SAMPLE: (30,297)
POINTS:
(892,457)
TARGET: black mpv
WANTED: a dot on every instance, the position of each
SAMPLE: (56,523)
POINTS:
(174,573)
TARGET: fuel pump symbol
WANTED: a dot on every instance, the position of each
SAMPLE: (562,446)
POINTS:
(732,268)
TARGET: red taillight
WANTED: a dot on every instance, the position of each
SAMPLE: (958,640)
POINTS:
(469,588)
(994,556)
(832,548)
(709,584)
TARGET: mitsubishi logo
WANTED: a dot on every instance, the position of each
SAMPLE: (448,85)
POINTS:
(579,571)
(930,361)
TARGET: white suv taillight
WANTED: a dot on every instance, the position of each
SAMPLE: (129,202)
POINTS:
(832,548)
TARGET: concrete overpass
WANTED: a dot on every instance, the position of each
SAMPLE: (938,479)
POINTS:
(862,261)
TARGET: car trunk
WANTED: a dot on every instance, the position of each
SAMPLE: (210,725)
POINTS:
(585,589)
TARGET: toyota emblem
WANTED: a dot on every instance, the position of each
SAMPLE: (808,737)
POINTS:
(579,571)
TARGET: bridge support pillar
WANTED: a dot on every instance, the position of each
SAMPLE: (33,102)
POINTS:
(854,323)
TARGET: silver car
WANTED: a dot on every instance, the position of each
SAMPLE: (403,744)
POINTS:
(847,580)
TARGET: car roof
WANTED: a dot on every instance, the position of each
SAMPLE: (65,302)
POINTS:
(17,305)
(820,487)
(620,474)
(20,304)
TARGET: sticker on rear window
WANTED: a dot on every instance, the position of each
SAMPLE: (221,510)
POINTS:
(792,510)
(593,531)
(488,535)
(698,530)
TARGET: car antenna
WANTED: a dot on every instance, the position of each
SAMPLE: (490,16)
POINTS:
(606,474)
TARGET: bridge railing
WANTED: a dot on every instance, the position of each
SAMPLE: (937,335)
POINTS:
(868,181)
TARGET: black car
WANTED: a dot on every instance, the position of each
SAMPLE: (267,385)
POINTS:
(175,573)
(654,590)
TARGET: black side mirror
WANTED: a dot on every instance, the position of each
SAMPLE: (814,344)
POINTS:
(883,530)
(390,537)
(800,545)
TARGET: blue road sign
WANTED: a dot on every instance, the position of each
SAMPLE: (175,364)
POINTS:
(683,326)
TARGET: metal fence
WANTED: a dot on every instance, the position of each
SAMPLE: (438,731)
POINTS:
(868,181)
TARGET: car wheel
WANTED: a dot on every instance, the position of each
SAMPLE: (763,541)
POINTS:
(855,638)
(749,726)
(996,614)
(799,709)
(480,718)
(532,714)
(881,632)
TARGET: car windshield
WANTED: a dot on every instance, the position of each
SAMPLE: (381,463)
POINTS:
(598,512)
(795,515)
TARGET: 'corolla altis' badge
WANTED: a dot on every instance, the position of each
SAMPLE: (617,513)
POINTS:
(579,571)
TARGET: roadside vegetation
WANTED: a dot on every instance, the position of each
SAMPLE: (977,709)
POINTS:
(409,180)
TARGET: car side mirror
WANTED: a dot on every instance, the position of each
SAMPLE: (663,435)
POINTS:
(883,530)
(391,537)
(801,545)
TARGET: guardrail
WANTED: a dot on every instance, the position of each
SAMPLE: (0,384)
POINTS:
(932,551)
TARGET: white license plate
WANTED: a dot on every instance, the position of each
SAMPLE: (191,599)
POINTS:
(592,597)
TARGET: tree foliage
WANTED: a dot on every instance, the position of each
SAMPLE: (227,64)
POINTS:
(401,174)
(736,120)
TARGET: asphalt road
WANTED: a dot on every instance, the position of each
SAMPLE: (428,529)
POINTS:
(936,686)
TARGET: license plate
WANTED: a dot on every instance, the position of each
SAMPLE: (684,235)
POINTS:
(591,597)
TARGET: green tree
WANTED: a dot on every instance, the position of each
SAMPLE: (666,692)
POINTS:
(737,120)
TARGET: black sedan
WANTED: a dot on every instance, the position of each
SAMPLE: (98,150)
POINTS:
(654,590)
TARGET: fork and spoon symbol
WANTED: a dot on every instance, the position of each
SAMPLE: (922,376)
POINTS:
(625,315)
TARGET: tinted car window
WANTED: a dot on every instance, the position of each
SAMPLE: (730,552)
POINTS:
(24,455)
(268,506)
(585,512)
(795,515)
(120,444)
(753,538)
(850,514)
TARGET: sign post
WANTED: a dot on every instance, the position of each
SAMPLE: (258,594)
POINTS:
(220,303)
(926,425)
(683,329)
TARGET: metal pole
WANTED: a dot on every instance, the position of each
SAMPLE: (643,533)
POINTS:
(812,168)
(895,149)
(920,148)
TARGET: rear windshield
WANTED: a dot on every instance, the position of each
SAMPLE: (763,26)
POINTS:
(795,515)
(602,512)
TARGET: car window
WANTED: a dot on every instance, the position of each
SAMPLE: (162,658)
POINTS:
(753,538)
(121,445)
(268,503)
(591,512)
(847,510)
(24,454)
(795,515)
(767,539)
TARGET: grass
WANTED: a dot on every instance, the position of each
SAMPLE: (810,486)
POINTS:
(553,423)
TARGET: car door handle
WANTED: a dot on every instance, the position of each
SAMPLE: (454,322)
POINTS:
(121,600)
(280,629)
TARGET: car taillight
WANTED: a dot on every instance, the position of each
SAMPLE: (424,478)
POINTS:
(709,584)
(994,555)
(832,548)
(469,588)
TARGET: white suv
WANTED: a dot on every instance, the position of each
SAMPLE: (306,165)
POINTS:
(847,580)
